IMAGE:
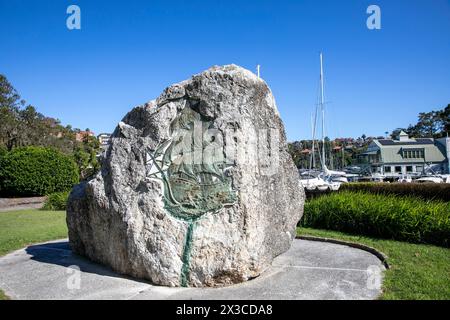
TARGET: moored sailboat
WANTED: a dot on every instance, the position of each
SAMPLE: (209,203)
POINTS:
(323,179)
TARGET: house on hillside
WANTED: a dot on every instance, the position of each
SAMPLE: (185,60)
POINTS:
(105,140)
(81,135)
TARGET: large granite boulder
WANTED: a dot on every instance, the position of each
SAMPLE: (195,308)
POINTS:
(197,187)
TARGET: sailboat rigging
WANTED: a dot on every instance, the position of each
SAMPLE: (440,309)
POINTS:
(324,179)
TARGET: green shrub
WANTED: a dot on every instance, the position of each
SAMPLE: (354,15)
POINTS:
(36,171)
(384,216)
(56,201)
(427,191)
(3,151)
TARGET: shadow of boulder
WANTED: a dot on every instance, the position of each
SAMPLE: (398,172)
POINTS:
(60,253)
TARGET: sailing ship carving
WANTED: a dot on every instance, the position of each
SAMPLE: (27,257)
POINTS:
(191,189)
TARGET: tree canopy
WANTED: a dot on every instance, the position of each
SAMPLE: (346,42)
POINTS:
(22,125)
(433,124)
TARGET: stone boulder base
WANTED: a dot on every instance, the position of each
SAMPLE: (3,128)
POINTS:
(162,210)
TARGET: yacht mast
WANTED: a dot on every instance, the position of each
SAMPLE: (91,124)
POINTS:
(312,163)
(323,111)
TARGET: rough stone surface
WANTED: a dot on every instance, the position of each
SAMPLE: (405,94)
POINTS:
(225,230)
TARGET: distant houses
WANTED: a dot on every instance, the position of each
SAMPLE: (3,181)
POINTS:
(105,140)
(408,156)
(306,151)
(81,135)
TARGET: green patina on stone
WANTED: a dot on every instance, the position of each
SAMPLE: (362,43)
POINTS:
(187,254)
(192,188)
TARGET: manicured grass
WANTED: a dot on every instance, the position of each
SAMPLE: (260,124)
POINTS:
(417,271)
(21,228)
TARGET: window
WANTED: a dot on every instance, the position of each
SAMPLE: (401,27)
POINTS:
(387,169)
(398,169)
(406,153)
(413,153)
(409,169)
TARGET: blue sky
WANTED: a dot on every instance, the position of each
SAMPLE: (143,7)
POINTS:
(126,53)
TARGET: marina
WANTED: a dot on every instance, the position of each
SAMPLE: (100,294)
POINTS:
(399,159)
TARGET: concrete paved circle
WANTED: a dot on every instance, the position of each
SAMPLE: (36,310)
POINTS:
(309,270)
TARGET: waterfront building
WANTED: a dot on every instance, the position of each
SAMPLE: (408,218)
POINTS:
(407,156)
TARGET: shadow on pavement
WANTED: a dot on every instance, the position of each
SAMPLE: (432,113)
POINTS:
(60,253)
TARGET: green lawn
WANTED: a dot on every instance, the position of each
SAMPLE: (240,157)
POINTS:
(417,271)
(21,228)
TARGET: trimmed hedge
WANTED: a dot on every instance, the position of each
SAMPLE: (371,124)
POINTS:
(56,201)
(383,216)
(36,171)
(427,191)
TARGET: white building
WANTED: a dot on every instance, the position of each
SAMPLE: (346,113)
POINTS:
(105,140)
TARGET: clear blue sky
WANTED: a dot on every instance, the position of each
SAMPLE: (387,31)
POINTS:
(126,54)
